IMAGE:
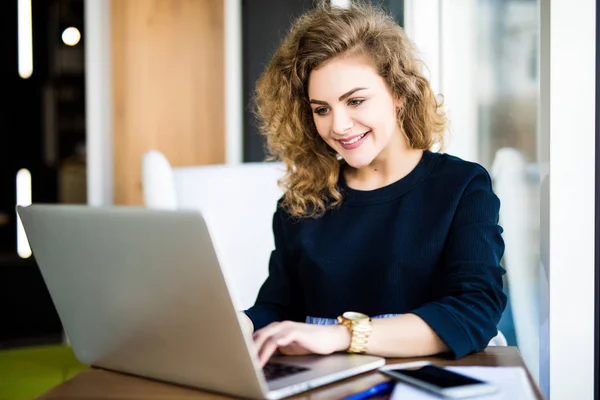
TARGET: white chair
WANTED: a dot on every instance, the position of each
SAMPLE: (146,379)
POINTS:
(237,201)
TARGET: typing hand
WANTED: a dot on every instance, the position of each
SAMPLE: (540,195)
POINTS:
(295,338)
(246,323)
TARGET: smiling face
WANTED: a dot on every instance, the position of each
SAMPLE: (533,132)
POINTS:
(354,111)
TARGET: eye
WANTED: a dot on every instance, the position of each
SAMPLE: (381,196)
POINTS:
(355,102)
(321,110)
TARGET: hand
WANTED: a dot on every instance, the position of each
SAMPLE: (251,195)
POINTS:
(246,323)
(295,338)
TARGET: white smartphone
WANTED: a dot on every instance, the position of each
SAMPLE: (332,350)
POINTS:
(438,380)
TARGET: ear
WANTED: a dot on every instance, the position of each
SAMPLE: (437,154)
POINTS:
(399,103)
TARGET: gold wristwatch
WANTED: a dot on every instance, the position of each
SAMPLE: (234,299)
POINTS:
(359,326)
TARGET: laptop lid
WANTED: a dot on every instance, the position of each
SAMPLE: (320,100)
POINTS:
(141,291)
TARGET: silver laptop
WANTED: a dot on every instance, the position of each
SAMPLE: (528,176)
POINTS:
(142,292)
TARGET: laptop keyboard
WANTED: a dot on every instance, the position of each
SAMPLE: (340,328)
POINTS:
(275,371)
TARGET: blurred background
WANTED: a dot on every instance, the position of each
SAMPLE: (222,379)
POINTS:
(94,85)
(42,134)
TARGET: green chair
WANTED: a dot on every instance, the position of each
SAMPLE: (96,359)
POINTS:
(30,371)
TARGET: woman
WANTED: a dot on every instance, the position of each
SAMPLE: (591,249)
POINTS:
(381,246)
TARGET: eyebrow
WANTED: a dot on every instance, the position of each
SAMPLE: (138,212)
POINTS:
(342,97)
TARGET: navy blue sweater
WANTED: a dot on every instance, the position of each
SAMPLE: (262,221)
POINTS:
(428,244)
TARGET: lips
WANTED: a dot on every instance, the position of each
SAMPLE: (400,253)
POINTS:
(355,141)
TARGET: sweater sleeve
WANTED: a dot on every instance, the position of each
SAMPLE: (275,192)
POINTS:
(471,299)
(279,297)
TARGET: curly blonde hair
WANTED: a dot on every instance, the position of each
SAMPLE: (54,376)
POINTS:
(285,116)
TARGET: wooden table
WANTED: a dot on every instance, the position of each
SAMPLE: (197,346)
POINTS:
(99,384)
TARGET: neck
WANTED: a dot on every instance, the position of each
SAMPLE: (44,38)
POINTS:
(393,164)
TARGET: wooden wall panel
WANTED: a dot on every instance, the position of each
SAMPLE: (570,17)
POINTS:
(168,86)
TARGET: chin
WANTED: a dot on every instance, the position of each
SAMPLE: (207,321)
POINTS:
(358,162)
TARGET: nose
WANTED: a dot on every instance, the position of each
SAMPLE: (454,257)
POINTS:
(342,123)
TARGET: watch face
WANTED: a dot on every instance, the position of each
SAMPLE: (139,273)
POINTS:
(355,316)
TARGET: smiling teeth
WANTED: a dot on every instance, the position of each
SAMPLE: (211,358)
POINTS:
(356,139)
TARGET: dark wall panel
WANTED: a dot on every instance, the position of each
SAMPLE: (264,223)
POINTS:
(264,25)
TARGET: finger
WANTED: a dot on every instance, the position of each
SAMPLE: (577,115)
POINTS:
(265,333)
(292,343)
(264,329)
(293,349)
(270,344)
(274,329)
(266,351)
(271,327)
(287,338)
